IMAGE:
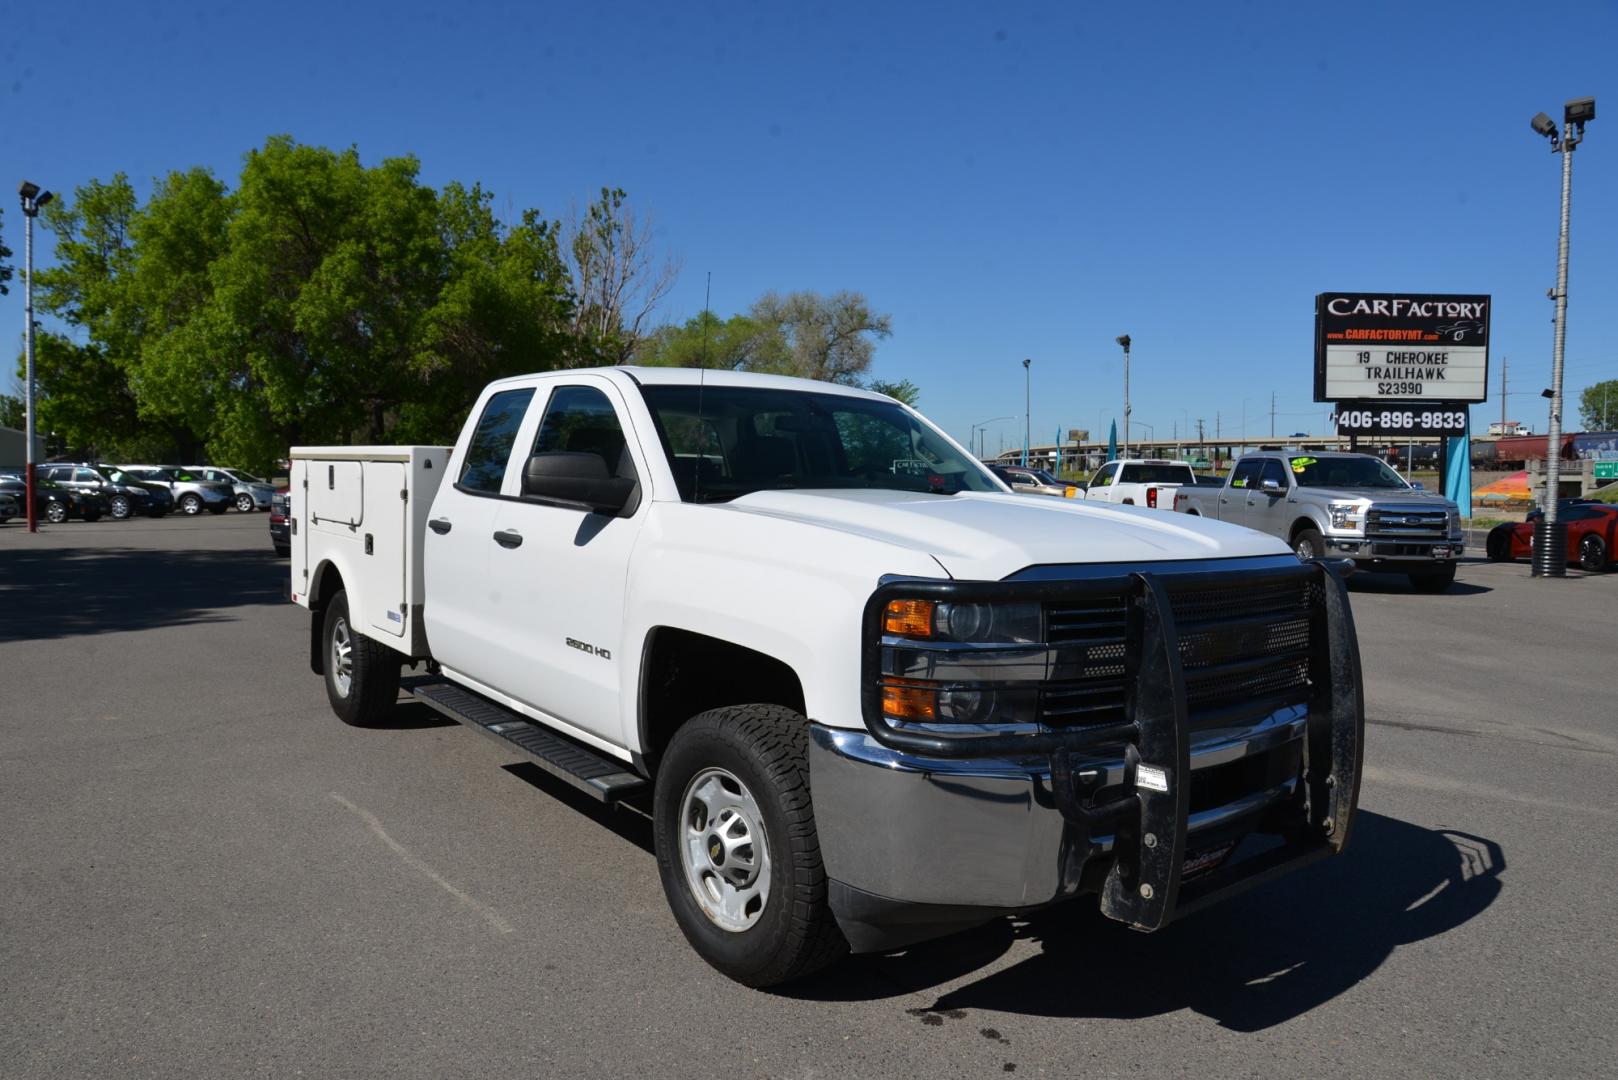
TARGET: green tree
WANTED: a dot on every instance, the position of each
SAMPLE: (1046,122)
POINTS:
(904,390)
(13,412)
(832,338)
(739,343)
(1598,406)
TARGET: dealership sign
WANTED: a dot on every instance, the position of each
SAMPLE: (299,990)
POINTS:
(1372,348)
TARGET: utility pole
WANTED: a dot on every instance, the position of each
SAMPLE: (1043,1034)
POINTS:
(1550,535)
(1028,404)
(1272,414)
(1123,339)
(32,200)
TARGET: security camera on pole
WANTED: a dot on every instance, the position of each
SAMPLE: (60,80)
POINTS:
(32,199)
(1550,534)
(1123,339)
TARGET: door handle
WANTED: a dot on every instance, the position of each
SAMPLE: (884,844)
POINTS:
(508,538)
(439,525)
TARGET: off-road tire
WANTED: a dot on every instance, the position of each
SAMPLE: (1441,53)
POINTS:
(1593,554)
(766,748)
(373,689)
(1308,544)
(1433,581)
(190,504)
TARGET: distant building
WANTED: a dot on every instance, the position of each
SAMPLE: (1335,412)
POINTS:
(1509,427)
(14,449)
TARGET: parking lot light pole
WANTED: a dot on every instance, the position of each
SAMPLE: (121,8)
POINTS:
(1028,404)
(1123,339)
(32,199)
(980,431)
(1550,535)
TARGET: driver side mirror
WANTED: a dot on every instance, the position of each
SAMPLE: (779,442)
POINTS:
(578,480)
(1271,486)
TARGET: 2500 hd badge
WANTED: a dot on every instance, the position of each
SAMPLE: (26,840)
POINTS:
(585,646)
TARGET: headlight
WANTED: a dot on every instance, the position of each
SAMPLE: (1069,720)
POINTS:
(968,623)
(1343,516)
(1454,522)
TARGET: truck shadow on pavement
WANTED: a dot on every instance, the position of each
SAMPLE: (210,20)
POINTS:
(1255,961)
(1368,582)
(67,592)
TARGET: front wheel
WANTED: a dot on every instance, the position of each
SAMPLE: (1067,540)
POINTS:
(362,675)
(1433,581)
(244,502)
(120,507)
(1309,544)
(1498,545)
(1592,554)
(55,513)
(737,848)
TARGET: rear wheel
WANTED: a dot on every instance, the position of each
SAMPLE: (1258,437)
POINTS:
(737,848)
(55,513)
(190,503)
(1433,581)
(1593,553)
(244,502)
(120,507)
(1309,544)
(362,676)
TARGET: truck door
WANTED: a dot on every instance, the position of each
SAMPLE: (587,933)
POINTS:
(458,596)
(1267,508)
(1100,488)
(1233,496)
(560,572)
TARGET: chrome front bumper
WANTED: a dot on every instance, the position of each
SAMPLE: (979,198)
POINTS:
(988,833)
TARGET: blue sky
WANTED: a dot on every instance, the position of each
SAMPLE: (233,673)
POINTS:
(1006,181)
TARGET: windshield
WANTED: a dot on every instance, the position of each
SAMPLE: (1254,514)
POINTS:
(1158,474)
(751,439)
(1345,472)
(243,478)
(1046,478)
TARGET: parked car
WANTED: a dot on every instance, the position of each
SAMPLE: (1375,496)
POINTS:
(10,506)
(1592,535)
(1026,481)
(124,494)
(192,494)
(252,492)
(1149,482)
(280,527)
(53,502)
(1345,505)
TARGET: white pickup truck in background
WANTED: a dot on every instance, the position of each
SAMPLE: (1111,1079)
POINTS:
(1149,482)
(869,695)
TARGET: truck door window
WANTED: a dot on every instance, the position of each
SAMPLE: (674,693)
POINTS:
(490,448)
(1104,477)
(1247,473)
(1274,470)
(580,419)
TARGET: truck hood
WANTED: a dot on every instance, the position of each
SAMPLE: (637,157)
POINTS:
(987,537)
(1381,496)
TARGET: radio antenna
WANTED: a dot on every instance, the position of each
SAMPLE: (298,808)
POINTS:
(702,379)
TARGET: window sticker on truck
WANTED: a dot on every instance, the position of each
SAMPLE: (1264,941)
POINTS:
(1301,463)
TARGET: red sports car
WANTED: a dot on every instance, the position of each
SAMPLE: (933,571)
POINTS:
(1592,535)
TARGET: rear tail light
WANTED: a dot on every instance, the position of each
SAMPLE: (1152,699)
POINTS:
(1151,497)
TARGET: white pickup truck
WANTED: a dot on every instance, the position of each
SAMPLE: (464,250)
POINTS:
(1148,482)
(871,696)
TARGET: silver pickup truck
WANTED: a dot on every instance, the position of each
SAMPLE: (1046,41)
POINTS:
(1343,505)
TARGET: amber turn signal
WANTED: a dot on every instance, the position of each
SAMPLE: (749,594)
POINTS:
(910,618)
(910,701)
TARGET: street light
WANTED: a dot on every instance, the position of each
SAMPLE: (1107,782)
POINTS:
(32,199)
(1123,339)
(978,431)
(1028,404)
(1550,534)
(1151,435)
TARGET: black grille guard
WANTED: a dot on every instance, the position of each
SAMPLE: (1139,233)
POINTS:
(1149,827)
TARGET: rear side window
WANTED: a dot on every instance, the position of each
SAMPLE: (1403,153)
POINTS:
(580,419)
(496,433)
(1247,473)
(1158,474)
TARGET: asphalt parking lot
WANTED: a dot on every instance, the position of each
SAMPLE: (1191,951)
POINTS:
(206,874)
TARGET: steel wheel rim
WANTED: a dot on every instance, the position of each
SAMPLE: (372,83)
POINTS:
(723,850)
(342,656)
